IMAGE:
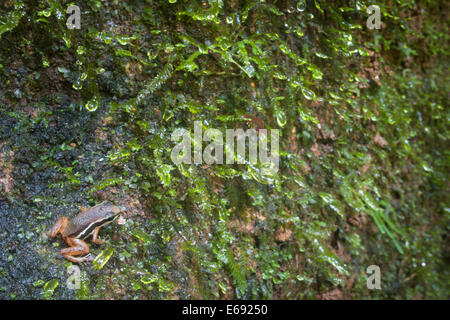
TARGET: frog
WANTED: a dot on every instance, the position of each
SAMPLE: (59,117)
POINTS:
(85,224)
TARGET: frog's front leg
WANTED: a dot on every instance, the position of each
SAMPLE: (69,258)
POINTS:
(77,247)
(95,238)
(59,226)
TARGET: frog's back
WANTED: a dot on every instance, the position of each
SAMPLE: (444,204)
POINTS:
(84,223)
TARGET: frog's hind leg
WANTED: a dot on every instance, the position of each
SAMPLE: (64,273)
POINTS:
(59,226)
(77,247)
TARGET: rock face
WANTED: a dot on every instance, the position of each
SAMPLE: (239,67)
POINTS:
(361,178)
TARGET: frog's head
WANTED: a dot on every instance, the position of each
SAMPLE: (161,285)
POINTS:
(109,211)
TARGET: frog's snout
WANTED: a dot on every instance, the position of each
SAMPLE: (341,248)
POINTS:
(116,209)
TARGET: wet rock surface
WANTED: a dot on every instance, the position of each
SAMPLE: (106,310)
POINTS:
(28,258)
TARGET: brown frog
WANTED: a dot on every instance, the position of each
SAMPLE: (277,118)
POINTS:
(87,223)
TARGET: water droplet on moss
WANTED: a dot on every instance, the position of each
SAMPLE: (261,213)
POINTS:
(92,104)
(308,94)
(301,5)
(18,93)
(281,117)
(77,85)
(81,50)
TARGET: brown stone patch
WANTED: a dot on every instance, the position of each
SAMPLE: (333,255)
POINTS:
(283,234)
(100,134)
(133,68)
(315,150)
(6,169)
(379,140)
(335,294)
(359,221)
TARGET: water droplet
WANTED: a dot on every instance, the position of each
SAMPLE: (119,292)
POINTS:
(92,104)
(280,115)
(308,94)
(45,62)
(47,13)
(123,40)
(18,93)
(78,85)
(81,50)
(301,5)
